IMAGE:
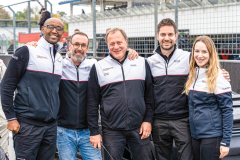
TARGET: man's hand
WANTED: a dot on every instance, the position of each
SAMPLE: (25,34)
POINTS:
(226,75)
(13,126)
(33,43)
(145,130)
(96,141)
(223,151)
(133,54)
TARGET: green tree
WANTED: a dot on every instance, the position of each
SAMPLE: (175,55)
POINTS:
(4,14)
(61,13)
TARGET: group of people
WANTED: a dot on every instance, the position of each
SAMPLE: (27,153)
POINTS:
(173,95)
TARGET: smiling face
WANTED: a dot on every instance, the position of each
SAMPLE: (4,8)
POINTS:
(52,36)
(79,48)
(201,54)
(167,37)
(117,45)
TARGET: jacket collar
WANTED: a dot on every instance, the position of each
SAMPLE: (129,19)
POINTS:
(43,43)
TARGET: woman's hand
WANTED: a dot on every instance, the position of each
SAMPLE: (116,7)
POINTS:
(223,151)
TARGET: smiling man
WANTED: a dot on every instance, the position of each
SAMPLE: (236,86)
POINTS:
(72,131)
(123,89)
(36,74)
(170,68)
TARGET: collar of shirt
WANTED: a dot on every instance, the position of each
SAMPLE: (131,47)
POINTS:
(167,59)
(43,43)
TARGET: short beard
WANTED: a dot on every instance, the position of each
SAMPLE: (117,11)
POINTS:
(78,58)
(167,48)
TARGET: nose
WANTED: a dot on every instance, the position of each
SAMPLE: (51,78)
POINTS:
(116,46)
(200,54)
(54,30)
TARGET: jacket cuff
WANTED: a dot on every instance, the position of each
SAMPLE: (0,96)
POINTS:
(10,115)
(148,119)
(224,144)
(94,132)
(12,119)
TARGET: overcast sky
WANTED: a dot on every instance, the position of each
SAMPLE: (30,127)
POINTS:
(65,7)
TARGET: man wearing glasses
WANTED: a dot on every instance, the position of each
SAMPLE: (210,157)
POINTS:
(72,130)
(36,74)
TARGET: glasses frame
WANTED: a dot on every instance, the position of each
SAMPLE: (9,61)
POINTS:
(79,46)
(54,28)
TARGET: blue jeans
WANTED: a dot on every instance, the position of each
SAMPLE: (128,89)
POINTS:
(69,140)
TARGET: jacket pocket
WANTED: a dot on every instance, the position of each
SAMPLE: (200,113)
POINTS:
(113,107)
(211,117)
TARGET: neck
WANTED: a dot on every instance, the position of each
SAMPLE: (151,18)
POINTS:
(120,60)
(76,63)
(167,52)
(49,42)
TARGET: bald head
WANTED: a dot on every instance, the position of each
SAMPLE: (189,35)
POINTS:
(53,30)
(53,20)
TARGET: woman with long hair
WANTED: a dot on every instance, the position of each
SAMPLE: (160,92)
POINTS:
(210,102)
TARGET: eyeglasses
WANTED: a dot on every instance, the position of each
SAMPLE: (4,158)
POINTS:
(77,45)
(51,28)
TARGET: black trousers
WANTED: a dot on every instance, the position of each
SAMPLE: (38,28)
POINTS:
(207,148)
(115,142)
(35,142)
(164,131)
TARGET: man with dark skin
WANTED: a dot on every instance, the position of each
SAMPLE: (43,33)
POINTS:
(36,74)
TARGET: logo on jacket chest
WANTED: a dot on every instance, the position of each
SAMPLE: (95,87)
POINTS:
(41,57)
(88,67)
(177,61)
(133,65)
(67,67)
(226,88)
(155,63)
(106,69)
(203,81)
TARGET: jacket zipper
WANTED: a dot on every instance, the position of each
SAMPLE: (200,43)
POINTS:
(77,96)
(192,101)
(51,84)
(166,67)
(125,92)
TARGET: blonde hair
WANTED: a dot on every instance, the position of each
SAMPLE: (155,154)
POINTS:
(213,65)
(113,30)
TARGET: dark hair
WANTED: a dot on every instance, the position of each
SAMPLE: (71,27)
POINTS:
(76,30)
(79,33)
(167,22)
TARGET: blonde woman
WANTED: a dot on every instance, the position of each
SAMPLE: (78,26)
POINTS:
(210,103)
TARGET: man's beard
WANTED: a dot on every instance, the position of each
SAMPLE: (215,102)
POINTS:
(167,48)
(78,59)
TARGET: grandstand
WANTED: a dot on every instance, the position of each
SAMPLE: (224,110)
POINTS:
(218,19)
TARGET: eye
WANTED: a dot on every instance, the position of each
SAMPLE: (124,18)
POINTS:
(50,27)
(170,35)
(119,43)
(59,28)
(162,34)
